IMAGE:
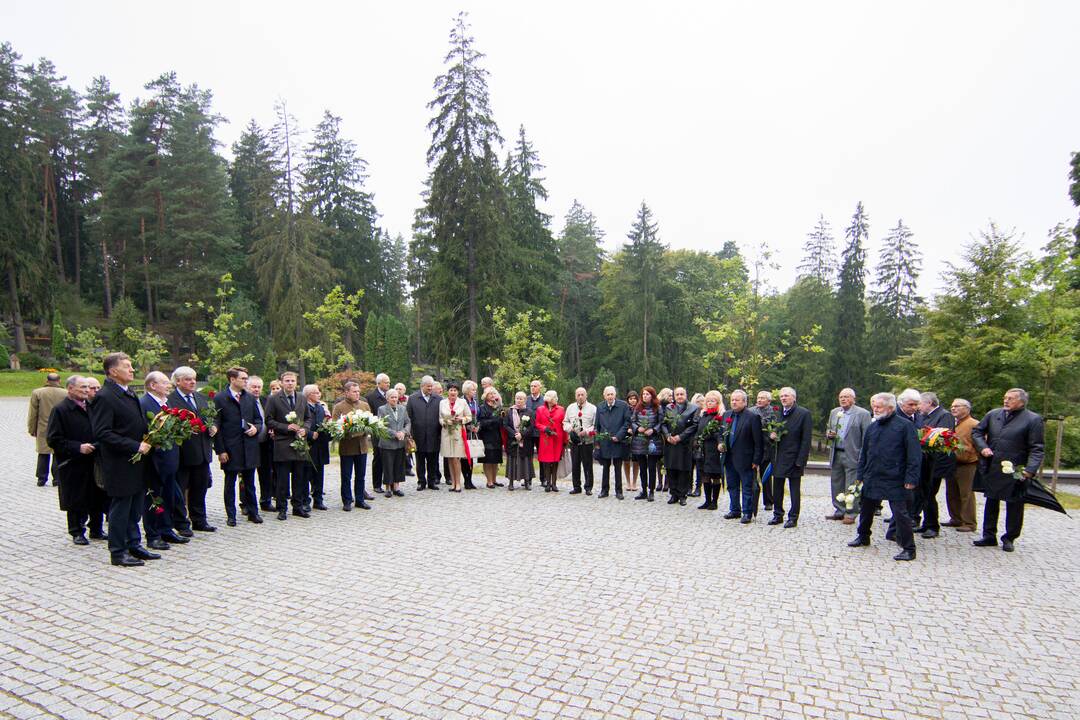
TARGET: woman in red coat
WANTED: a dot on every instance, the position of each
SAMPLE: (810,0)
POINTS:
(549,420)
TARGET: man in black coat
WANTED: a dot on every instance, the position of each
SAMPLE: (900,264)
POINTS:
(613,419)
(792,452)
(763,408)
(534,402)
(71,438)
(195,455)
(162,466)
(678,427)
(935,467)
(889,465)
(423,411)
(375,400)
(266,445)
(286,412)
(236,443)
(743,451)
(119,427)
(318,448)
(1010,443)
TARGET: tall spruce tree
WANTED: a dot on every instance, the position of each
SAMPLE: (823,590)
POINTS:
(100,134)
(848,345)
(580,258)
(254,179)
(819,253)
(895,301)
(531,244)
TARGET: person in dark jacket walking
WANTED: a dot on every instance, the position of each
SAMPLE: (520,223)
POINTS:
(792,450)
(888,470)
(1010,443)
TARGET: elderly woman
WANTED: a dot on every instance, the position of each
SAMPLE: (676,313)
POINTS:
(549,421)
(517,423)
(393,447)
(489,430)
(707,447)
(630,474)
(645,444)
(454,416)
(699,401)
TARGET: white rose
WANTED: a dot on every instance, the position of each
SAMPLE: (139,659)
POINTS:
(842,497)
(1006,467)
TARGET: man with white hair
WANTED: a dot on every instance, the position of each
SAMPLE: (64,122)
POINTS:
(71,438)
(195,455)
(612,421)
(375,400)
(423,411)
(744,450)
(847,423)
(579,423)
(533,404)
(163,466)
(792,451)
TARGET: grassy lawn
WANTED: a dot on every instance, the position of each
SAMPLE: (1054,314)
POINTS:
(1070,501)
(20,383)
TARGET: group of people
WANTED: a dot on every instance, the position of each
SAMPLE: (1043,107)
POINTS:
(653,440)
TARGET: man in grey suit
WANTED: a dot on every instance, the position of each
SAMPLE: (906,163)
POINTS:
(847,423)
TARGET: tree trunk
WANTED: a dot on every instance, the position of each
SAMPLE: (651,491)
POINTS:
(16,311)
(105,268)
(75,230)
(645,340)
(146,272)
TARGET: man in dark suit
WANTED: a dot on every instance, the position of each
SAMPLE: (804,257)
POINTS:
(375,400)
(71,438)
(318,448)
(119,427)
(285,414)
(744,448)
(236,443)
(612,418)
(423,411)
(195,454)
(907,408)
(678,428)
(792,452)
(935,468)
(763,408)
(534,402)
(161,474)
(266,445)
(1010,443)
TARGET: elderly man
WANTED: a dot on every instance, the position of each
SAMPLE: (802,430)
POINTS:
(92,387)
(763,409)
(266,446)
(195,455)
(532,404)
(935,468)
(792,452)
(318,449)
(285,414)
(239,422)
(612,419)
(1010,441)
(888,470)
(42,402)
(375,400)
(847,424)
(959,493)
(743,451)
(580,425)
(353,451)
(71,438)
(161,474)
(423,410)
(119,425)
(678,433)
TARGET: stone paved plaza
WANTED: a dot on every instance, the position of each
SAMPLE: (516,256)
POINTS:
(494,604)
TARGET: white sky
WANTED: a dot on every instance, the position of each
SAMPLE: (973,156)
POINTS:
(734,121)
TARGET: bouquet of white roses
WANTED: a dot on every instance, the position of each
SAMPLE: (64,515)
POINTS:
(851,496)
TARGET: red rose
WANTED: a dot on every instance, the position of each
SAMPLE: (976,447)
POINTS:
(159,510)
(727,420)
(776,408)
(579,413)
(211,394)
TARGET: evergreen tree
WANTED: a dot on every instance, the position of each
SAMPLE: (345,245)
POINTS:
(579,260)
(1074,193)
(848,344)
(531,244)
(819,253)
(254,179)
(895,301)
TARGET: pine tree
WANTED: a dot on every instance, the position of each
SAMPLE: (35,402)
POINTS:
(848,345)
(254,178)
(895,302)
(1074,193)
(580,258)
(531,244)
(819,253)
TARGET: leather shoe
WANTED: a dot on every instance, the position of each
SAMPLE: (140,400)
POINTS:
(835,516)
(682,501)
(791,523)
(603,494)
(41,482)
(255,518)
(174,539)
(859,541)
(320,506)
(952,523)
(618,496)
(368,496)
(97,535)
(347,506)
(204,528)
(80,540)
(144,554)
(774,520)
(157,544)
(126,560)
(419,488)
(672,500)
(745,520)
(301,512)
(282,515)
(731,515)
(575,491)
(919,529)
(588,492)
(1007,545)
(984,542)
(363,505)
(398,493)
(929,533)
(231,522)
(185,533)
(848,520)
(905,555)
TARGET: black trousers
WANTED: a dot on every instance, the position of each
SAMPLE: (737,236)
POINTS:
(376,469)
(124,514)
(248,504)
(905,537)
(777,493)
(605,463)
(43,462)
(289,481)
(679,483)
(1014,518)
(266,473)
(581,463)
(194,482)
(647,471)
(80,520)
(427,469)
(928,490)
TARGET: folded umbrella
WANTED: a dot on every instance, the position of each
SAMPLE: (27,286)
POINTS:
(767,474)
(1035,493)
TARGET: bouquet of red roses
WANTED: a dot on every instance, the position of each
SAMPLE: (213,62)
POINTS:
(938,441)
(169,428)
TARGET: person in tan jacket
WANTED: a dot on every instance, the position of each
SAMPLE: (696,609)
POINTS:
(353,452)
(42,402)
(959,496)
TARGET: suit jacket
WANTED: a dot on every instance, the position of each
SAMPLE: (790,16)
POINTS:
(375,400)
(424,419)
(42,402)
(1018,439)
(680,456)
(890,458)
(234,417)
(532,405)
(163,462)
(938,466)
(69,427)
(615,421)
(858,421)
(119,424)
(397,420)
(277,407)
(197,450)
(793,450)
(745,446)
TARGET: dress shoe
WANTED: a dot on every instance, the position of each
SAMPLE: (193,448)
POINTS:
(919,529)
(682,501)
(547,489)
(255,518)
(157,544)
(1007,545)
(378,489)
(307,508)
(835,516)
(697,493)
(929,533)
(890,534)
(363,505)
(204,528)
(144,554)
(603,494)
(368,496)
(174,539)
(952,523)
(282,515)
(791,523)
(231,522)
(643,495)
(672,500)
(419,488)
(554,488)
(651,496)
(731,515)
(320,506)
(984,542)
(398,493)
(126,560)
(80,540)
(41,482)
(388,494)
(768,506)
(859,541)
(905,555)
(575,491)
(433,487)
(498,484)
(184,532)
(346,506)
(618,496)
(301,512)
(959,529)
(745,520)
(707,505)
(266,507)
(469,486)
(848,520)
(774,520)
(97,535)
(588,492)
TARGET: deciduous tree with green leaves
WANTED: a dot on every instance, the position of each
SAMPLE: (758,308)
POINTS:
(222,341)
(524,355)
(330,321)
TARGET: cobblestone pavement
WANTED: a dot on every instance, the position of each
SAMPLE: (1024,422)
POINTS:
(494,604)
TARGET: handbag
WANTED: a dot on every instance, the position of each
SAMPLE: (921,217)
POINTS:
(565,465)
(476,449)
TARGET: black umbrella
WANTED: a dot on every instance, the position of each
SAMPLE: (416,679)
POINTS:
(1035,493)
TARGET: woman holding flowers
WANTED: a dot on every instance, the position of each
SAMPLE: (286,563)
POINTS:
(517,422)
(454,416)
(630,474)
(645,445)
(549,421)
(709,436)
(489,430)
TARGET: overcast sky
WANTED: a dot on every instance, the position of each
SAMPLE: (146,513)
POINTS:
(734,121)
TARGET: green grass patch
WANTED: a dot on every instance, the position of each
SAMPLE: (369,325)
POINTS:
(1070,501)
(20,383)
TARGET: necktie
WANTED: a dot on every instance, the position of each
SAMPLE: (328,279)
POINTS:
(292,402)
(734,423)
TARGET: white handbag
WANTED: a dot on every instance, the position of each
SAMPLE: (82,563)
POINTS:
(476,449)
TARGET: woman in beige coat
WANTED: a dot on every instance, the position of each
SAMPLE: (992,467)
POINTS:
(454,415)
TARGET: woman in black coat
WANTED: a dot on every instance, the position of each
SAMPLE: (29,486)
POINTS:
(707,447)
(489,430)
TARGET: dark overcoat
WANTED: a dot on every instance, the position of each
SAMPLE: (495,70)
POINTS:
(793,449)
(234,417)
(119,424)
(68,429)
(614,420)
(890,459)
(424,419)
(1017,438)
(680,455)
